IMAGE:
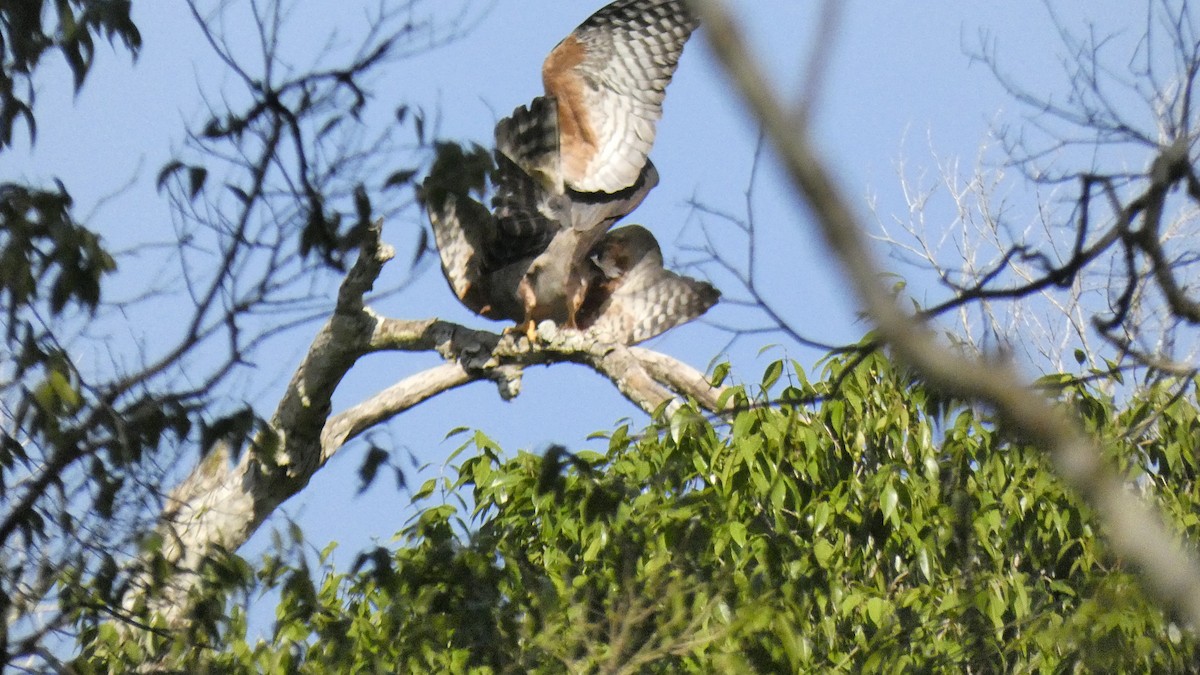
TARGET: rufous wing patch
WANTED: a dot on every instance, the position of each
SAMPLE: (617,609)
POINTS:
(562,80)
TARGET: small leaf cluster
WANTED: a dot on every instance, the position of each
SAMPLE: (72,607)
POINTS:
(25,37)
(45,254)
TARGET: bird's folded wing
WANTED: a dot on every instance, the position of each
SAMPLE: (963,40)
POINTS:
(462,228)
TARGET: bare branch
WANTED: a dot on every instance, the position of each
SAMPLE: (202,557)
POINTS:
(1135,531)
(1116,252)
(410,391)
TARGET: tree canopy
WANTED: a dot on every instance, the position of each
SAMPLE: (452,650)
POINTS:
(878,527)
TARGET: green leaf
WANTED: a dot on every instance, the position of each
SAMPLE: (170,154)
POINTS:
(426,489)
(820,517)
(876,610)
(888,500)
(923,563)
(850,602)
(823,551)
(63,390)
(772,374)
(720,373)
(737,532)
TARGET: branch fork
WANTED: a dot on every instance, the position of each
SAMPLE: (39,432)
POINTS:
(222,502)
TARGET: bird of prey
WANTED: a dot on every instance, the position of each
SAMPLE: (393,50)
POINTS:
(567,167)
(632,297)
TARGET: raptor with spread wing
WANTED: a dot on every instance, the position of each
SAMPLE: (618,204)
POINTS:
(568,167)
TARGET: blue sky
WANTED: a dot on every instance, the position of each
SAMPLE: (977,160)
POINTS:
(899,85)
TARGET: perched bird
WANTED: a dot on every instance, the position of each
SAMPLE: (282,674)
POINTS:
(567,167)
(632,297)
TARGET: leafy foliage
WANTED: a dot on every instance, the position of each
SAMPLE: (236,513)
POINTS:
(877,529)
(94,427)
(40,245)
(25,37)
